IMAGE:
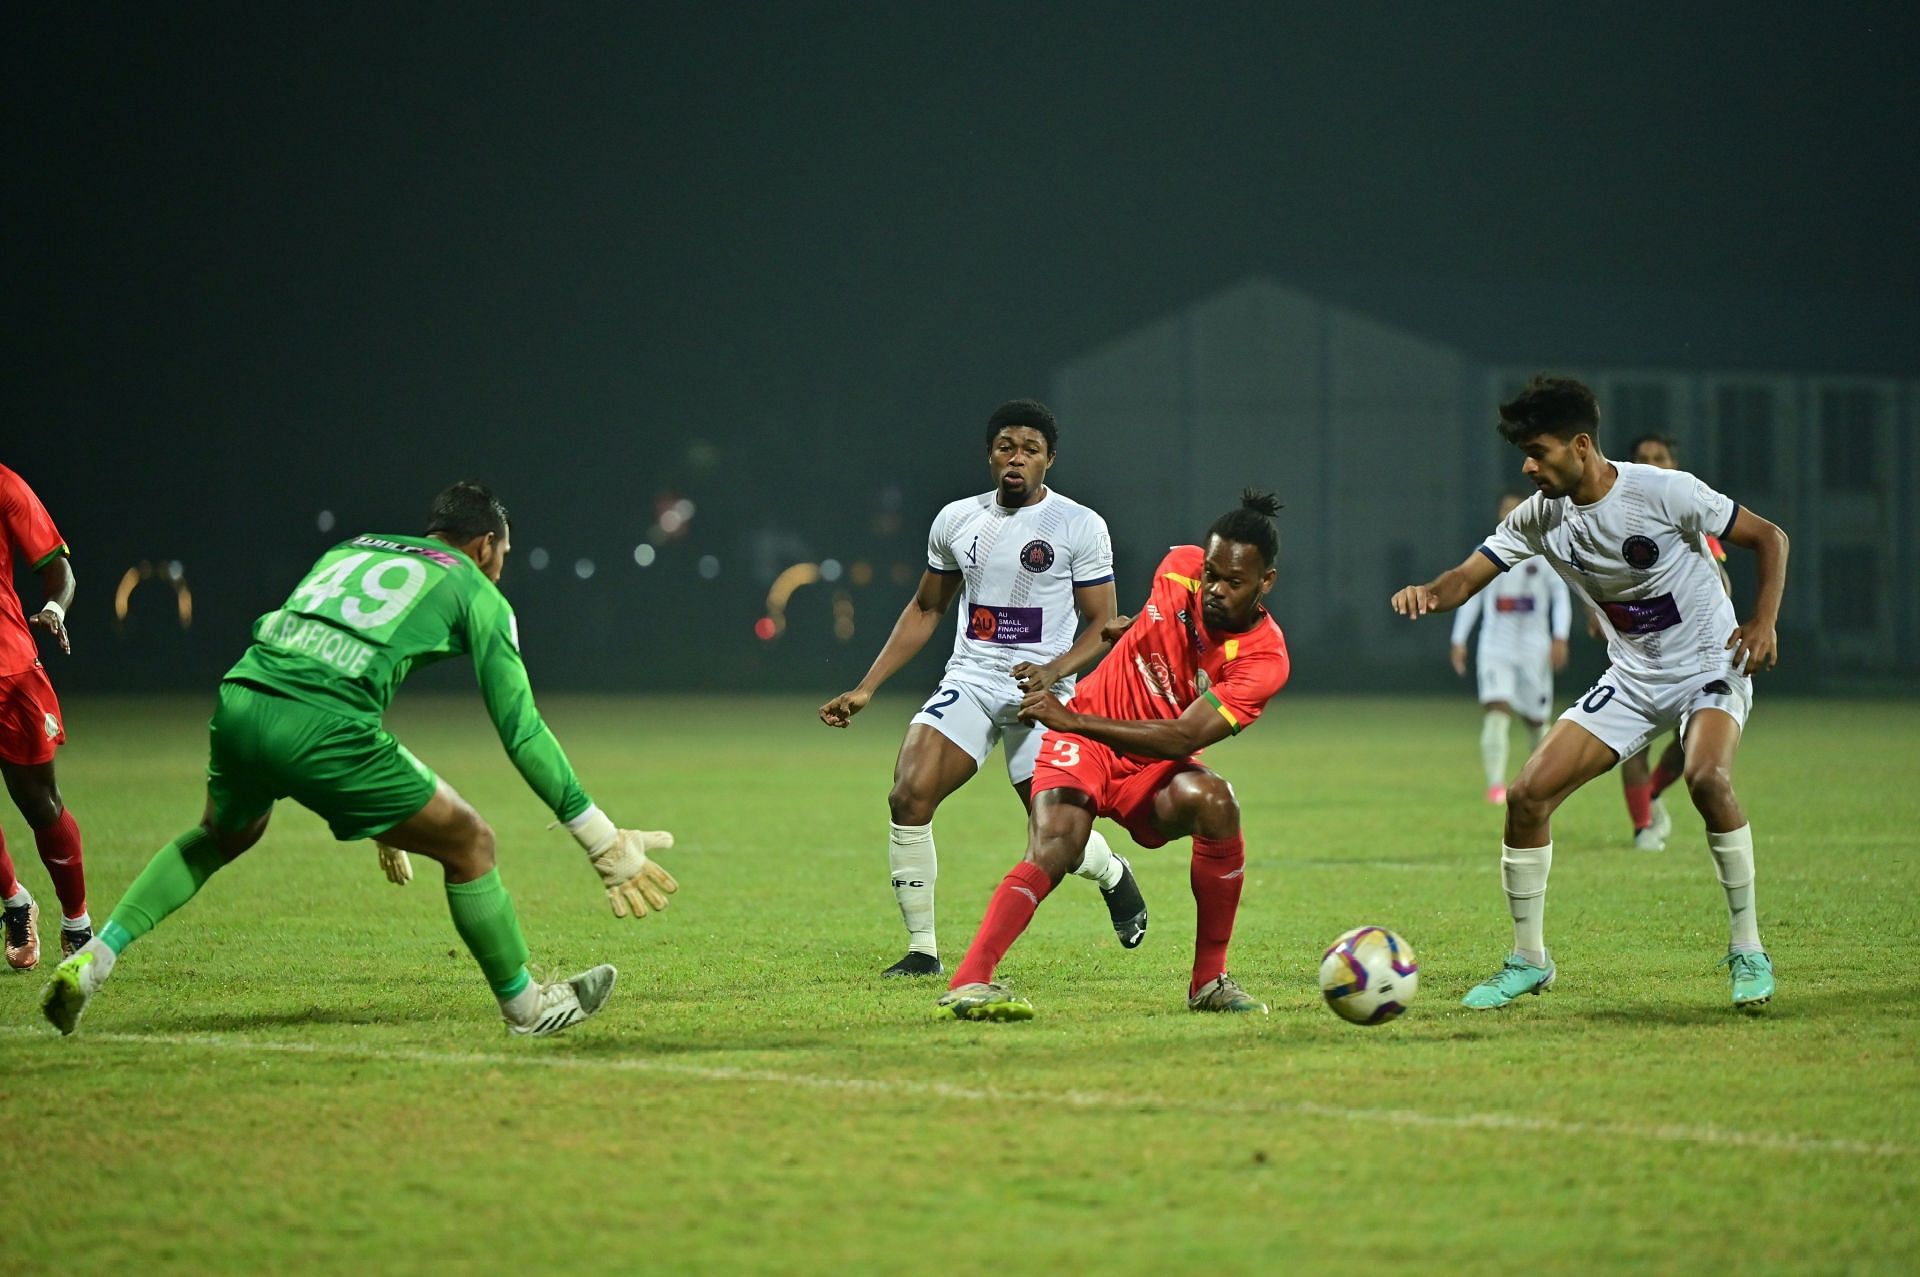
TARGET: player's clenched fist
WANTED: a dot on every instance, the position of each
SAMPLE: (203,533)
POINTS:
(636,886)
(1755,647)
(839,711)
(1415,601)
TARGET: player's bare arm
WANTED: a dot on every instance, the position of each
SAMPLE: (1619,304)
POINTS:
(911,631)
(1448,590)
(1457,657)
(57,584)
(1096,604)
(1755,643)
(1199,726)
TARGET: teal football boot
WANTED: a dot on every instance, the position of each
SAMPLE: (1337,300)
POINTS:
(1752,977)
(1515,977)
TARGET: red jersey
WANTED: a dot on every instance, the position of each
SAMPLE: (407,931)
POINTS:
(1169,659)
(26,527)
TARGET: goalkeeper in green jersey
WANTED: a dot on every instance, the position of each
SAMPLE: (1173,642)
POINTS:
(299,717)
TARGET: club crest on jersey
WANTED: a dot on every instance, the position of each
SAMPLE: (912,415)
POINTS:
(1640,552)
(1036,556)
(52,726)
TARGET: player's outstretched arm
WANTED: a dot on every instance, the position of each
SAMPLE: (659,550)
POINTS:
(1755,641)
(1096,605)
(57,586)
(911,631)
(1448,590)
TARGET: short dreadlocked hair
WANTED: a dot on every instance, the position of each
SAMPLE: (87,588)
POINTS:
(1251,523)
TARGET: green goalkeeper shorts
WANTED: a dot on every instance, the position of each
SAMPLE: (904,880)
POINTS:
(352,773)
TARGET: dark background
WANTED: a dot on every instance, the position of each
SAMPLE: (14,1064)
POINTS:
(267,261)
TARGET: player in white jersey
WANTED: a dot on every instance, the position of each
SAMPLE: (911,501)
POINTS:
(1642,788)
(1523,622)
(1628,541)
(1026,559)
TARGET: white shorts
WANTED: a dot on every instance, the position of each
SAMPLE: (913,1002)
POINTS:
(1626,713)
(1526,686)
(976,720)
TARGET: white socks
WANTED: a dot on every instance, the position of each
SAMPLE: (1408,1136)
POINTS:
(83,923)
(17,899)
(910,855)
(1733,859)
(523,1007)
(1100,864)
(1493,747)
(1523,872)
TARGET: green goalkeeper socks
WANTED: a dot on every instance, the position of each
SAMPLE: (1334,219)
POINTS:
(483,915)
(176,872)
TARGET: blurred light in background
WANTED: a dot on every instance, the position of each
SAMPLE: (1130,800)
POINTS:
(325,520)
(173,575)
(781,592)
(830,569)
(643,554)
(709,566)
(537,559)
(583,568)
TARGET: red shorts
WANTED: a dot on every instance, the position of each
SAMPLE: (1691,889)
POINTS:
(30,726)
(1122,787)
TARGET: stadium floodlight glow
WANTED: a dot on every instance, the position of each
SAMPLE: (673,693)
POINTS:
(709,566)
(830,569)
(643,554)
(583,568)
(325,521)
(537,559)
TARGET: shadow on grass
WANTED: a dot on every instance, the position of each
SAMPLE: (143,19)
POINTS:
(602,1046)
(243,1021)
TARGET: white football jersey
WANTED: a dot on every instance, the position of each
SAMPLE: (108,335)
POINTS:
(1519,615)
(1021,568)
(1638,556)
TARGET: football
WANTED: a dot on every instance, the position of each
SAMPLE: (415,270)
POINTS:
(1369,975)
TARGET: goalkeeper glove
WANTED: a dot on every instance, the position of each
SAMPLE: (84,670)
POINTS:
(636,886)
(394,863)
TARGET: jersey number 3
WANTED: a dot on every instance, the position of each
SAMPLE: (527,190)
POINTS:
(1066,753)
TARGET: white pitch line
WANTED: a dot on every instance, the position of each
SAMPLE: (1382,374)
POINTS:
(1664,1133)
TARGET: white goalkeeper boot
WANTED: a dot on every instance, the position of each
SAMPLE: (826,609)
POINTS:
(544,1009)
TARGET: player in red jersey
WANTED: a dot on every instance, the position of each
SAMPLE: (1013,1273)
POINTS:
(1197,664)
(30,726)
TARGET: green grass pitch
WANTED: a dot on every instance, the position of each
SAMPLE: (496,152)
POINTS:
(302,1071)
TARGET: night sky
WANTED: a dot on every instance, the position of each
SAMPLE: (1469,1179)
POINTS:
(268,260)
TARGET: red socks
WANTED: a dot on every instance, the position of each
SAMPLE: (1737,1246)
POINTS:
(1640,806)
(9,885)
(59,845)
(1663,776)
(1217,874)
(1011,909)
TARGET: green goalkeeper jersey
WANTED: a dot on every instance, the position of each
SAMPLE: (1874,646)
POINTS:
(376,607)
